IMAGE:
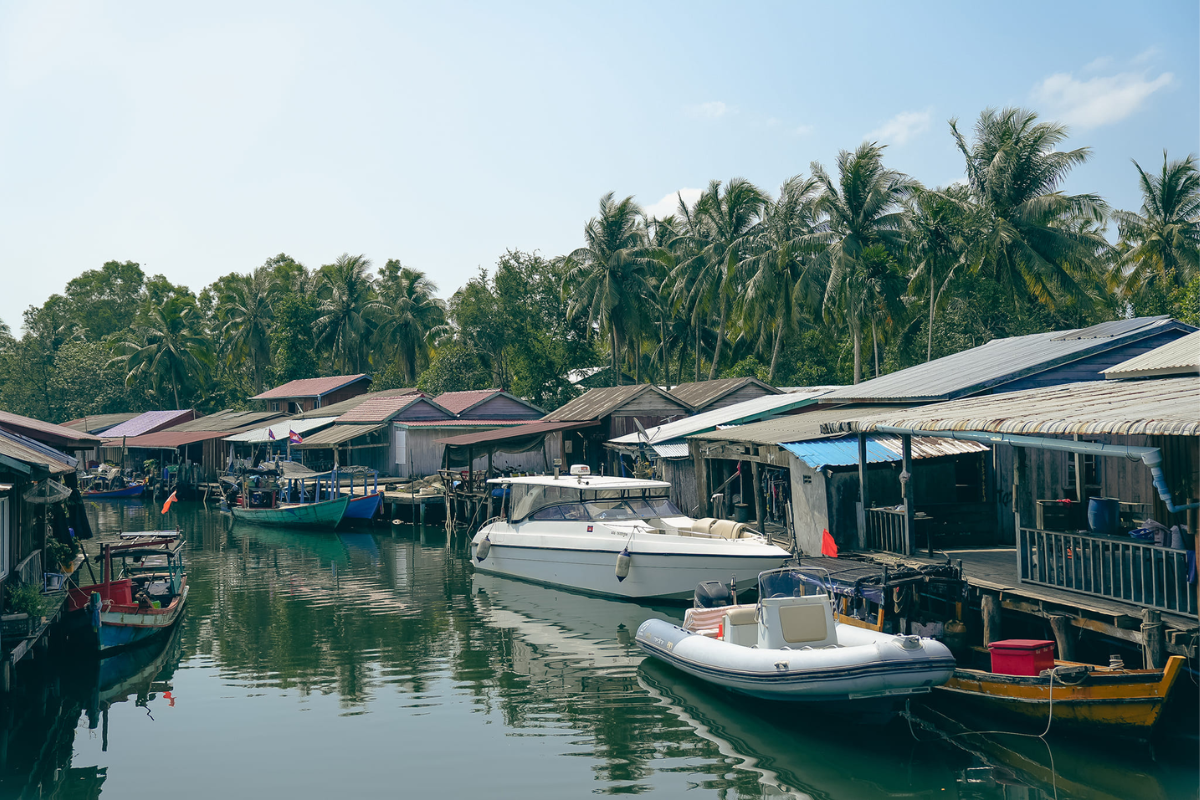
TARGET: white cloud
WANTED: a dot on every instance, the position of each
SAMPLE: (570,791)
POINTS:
(670,203)
(1096,101)
(712,109)
(902,127)
(1147,54)
(803,130)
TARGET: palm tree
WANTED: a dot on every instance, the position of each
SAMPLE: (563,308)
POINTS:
(1031,240)
(409,317)
(724,224)
(611,276)
(864,210)
(939,225)
(169,349)
(781,277)
(1161,245)
(248,317)
(347,300)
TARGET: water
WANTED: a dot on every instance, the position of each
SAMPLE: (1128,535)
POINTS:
(374,663)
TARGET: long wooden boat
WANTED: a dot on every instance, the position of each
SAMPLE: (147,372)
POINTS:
(144,600)
(325,514)
(132,490)
(365,507)
(1122,702)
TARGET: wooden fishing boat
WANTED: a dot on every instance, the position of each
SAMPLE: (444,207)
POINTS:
(143,599)
(132,490)
(1123,702)
(365,507)
(325,514)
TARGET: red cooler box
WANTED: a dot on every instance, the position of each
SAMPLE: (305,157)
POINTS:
(1022,656)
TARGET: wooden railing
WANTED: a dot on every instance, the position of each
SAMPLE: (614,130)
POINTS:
(885,530)
(1108,567)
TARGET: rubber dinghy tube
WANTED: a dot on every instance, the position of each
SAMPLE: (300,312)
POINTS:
(624,561)
(483,548)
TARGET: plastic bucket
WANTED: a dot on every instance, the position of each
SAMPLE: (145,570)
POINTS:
(1104,514)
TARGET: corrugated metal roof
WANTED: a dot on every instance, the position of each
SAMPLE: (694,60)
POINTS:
(149,422)
(281,430)
(32,452)
(515,432)
(227,421)
(98,423)
(699,394)
(336,435)
(997,362)
(165,440)
(342,406)
(1180,357)
(462,423)
(793,428)
(843,451)
(671,450)
(598,403)
(738,413)
(458,402)
(1163,406)
(382,409)
(310,387)
(47,431)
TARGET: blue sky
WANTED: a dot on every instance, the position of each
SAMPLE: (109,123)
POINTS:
(201,142)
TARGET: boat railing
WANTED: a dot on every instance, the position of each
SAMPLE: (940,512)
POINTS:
(1107,566)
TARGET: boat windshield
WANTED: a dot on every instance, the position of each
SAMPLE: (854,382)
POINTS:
(554,503)
(781,583)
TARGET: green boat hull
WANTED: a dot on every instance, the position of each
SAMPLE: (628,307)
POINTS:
(326,514)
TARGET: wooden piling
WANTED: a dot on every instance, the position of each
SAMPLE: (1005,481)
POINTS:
(1063,639)
(1154,642)
(989,609)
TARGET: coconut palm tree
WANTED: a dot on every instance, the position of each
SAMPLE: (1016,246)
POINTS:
(410,315)
(1161,245)
(864,208)
(169,349)
(725,221)
(246,311)
(782,279)
(1031,240)
(611,277)
(347,302)
(939,228)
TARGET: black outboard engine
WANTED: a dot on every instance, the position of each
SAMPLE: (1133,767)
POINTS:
(713,594)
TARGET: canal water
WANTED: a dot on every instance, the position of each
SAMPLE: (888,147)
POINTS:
(373,662)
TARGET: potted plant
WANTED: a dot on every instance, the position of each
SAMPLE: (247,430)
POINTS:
(23,615)
(62,554)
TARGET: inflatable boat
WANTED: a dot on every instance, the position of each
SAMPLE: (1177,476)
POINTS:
(787,646)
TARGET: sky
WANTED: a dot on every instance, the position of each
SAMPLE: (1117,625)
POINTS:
(202,139)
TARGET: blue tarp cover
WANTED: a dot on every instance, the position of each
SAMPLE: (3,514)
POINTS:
(840,452)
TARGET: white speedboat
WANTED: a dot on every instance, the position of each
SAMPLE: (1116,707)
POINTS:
(787,646)
(619,537)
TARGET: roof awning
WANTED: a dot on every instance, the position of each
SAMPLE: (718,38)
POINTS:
(280,430)
(336,435)
(843,451)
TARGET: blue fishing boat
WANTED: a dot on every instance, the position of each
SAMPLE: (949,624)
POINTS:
(365,507)
(132,490)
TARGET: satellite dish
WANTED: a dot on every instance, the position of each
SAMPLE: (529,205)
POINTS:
(641,430)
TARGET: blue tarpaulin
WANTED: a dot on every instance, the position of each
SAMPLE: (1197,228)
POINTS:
(840,452)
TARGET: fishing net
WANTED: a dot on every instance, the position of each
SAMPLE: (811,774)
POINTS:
(46,492)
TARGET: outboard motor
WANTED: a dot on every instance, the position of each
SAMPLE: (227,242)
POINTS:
(713,594)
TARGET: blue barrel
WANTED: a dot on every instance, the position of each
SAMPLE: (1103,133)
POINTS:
(1104,514)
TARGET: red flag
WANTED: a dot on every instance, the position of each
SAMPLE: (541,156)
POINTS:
(167,505)
(828,545)
(295,438)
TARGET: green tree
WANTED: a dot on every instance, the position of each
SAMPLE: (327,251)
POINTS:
(292,345)
(864,207)
(169,350)
(105,301)
(453,368)
(347,302)
(1031,239)
(247,317)
(939,229)
(1161,245)
(409,317)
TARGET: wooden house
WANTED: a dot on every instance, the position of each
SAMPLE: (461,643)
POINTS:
(310,394)
(709,395)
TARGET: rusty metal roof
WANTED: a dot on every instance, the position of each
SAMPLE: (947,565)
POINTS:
(458,402)
(700,394)
(1180,357)
(32,452)
(998,362)
(1163,406)
(165,440)
(47,432)
(383,409)
(336,435)
(515,432)
(599,403)
(796,428)
(349,404)
(310,387)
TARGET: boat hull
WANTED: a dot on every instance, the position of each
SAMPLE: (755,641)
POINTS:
(364,507)
(590,566)
(869,667)
(326,514)
(122,626)
(135,490)
(1126,703)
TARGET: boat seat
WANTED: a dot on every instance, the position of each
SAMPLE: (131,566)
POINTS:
(802,624)
(790,621)
(741,626)
(742,615)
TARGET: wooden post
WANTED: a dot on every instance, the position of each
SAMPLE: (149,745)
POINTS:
(1079,498)
(910,510)
(1061,625)
(760,502)
(1154,643)
(701,481)
(863,493)
(990,611)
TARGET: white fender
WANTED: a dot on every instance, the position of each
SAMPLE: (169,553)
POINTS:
(624,561)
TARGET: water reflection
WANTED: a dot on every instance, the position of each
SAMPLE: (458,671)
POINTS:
(375,661)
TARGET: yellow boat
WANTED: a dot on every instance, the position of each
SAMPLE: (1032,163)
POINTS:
(1123,702)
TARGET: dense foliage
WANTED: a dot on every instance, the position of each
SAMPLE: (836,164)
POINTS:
(844,274)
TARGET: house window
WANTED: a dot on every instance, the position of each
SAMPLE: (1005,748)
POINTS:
(274,406)
(5,538)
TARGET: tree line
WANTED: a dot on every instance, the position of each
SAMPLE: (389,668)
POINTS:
(843,274)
